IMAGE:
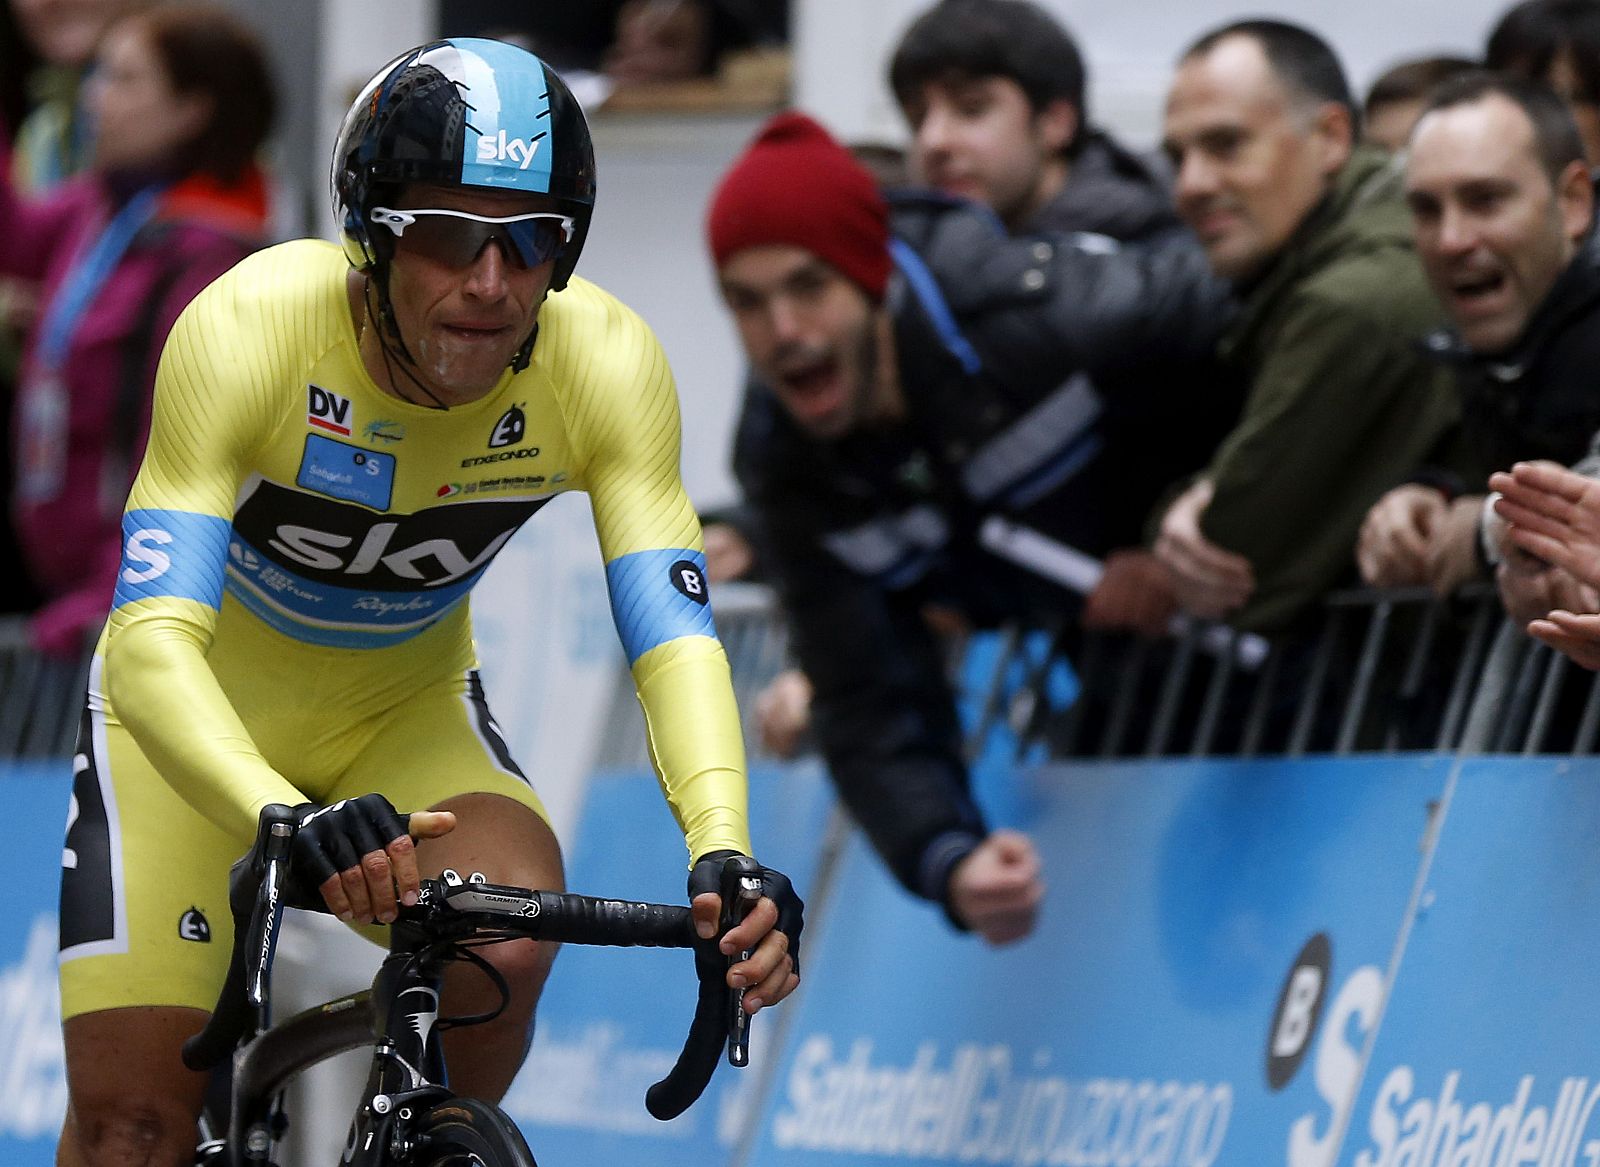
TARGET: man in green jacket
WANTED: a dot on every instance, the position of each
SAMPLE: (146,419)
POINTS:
(1342,402)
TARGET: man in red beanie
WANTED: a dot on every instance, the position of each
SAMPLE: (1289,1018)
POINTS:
(771,198)
(916,372)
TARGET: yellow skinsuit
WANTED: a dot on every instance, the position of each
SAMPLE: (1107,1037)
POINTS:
(291,618)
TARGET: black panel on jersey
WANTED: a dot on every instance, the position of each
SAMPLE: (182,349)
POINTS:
(88,896)
(350,546)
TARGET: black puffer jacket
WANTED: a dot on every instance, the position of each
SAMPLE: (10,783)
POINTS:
(1541,399)
(1111,191)
(997,338)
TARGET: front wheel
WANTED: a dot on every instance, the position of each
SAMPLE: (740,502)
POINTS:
(465,1132)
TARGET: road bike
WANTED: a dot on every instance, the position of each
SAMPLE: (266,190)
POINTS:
(407,1115)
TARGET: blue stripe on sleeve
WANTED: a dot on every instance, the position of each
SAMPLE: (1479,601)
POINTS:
(657,596)
(175,554)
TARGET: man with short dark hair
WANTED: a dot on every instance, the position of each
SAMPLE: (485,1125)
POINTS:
(993,91)
(1502,208)
(325,482)
(1557,43)
(1342,403)
(1395,100)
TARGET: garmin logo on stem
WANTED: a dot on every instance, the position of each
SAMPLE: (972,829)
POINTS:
(503,149)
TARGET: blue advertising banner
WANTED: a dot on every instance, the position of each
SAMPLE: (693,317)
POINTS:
(1489,1053)
(33,1083)
(1202,919)
(612,1022)
(1209,984)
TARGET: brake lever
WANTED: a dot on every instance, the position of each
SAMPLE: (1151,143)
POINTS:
(741,891)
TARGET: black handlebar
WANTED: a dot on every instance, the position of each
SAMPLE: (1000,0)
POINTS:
(456,911)
(702,1048)
(715,1007)
(257,907)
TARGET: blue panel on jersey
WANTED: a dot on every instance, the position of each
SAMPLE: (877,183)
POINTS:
(345,472)
(508,141)
(338,617)
(172,553)
(657,596)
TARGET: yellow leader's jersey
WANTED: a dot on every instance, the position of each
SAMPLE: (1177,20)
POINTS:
(281,488)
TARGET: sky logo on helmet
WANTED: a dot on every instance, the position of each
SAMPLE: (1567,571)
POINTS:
(502,148)
(327,410)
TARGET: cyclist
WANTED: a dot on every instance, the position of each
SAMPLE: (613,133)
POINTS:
(341,443)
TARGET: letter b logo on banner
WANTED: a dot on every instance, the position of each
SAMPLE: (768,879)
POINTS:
(1294,1021)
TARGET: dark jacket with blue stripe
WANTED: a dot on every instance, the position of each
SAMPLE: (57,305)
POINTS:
(997,338)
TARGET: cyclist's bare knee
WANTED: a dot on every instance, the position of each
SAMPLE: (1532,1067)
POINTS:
(132,1103)
(509,844)
(127,1132)
(503,839)
(485,1058)
(525,964)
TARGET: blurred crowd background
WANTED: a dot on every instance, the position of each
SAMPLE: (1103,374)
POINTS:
(148,146)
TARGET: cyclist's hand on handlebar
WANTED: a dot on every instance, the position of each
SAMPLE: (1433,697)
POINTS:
(770,932)
(361,855)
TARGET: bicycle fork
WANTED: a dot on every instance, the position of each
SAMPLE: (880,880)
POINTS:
(407,1073)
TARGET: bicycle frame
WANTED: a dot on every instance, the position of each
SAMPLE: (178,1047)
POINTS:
(397,1018)
(408,1066)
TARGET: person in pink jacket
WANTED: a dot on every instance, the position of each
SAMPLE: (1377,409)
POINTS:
(182,100)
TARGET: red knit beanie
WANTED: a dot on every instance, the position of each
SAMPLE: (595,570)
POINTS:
(795,184)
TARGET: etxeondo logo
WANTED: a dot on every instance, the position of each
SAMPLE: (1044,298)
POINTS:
(503,149)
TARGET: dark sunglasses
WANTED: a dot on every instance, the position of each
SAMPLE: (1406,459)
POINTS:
(454,238)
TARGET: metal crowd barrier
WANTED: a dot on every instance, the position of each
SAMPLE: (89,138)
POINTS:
(1375,671)
(40,697)
(754,636)
(1378,671)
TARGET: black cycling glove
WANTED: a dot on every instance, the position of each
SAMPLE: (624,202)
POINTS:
(333,838)
(707,876)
